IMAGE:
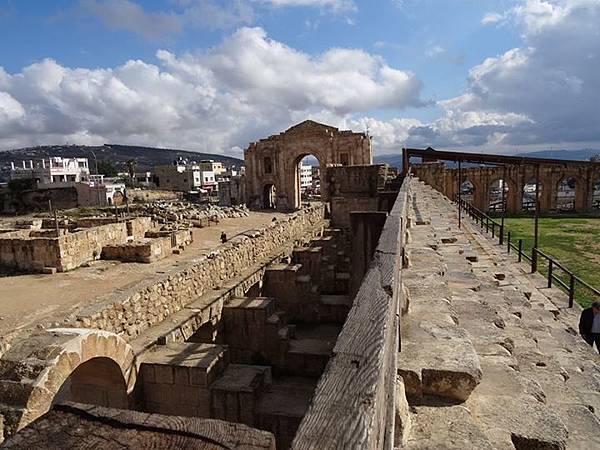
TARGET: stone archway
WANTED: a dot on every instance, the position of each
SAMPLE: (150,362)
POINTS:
(275,159)
(565,194)
(595,194)
(528,190)
(498,191)
(467,191)
(297,182)
(34,370)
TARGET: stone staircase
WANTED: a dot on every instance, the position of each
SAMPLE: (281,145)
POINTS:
(474,309)
(258,359)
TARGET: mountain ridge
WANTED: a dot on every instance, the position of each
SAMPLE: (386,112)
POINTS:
(117,154)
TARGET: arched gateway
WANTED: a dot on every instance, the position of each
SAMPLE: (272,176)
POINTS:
(272,163)
(65,364)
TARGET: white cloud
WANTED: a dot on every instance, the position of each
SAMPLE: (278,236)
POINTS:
(335,5)
(245,88)
(129,16)
(435,51)
(492,17)
(545,92)
(388,136)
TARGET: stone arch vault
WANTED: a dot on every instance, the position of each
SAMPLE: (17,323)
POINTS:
(34,369)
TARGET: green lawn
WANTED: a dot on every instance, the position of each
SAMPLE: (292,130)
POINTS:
(574,242)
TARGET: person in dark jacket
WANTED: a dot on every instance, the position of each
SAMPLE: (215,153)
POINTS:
(589,325)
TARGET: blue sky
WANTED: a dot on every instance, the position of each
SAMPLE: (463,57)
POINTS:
(210,75)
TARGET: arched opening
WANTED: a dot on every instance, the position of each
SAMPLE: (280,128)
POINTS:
(565,194)
(596,194)
(497,202)
(467,191)
(269,196)
(98,381)
(528,203)
(309,179)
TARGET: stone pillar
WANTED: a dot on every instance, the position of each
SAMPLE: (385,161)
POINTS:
(479,195)
(514,197)
(366,228)
(583,193)
(549,190)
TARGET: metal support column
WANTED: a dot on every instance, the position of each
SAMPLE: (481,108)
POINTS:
(459,196)
(503,205)
(536,219)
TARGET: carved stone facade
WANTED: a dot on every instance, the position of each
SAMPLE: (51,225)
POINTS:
(272,179)
(584,175)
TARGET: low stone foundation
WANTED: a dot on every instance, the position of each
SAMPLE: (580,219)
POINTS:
(32,251)
(149,303)
(148,249)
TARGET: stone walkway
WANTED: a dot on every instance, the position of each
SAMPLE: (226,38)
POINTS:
(490,357)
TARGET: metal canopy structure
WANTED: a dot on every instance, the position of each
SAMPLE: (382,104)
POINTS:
(430,154)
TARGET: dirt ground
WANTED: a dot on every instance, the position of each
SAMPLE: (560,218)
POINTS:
(28,299)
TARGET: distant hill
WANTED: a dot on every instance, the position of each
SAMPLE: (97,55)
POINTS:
(147,157)
(394,160)
(578,155)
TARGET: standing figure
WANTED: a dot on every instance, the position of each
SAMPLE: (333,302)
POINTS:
(589,325)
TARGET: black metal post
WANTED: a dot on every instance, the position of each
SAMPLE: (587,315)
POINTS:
(549,273)
(459,196)
(503,205)
(536,219)
(571,290)
(508,245)
(520,249)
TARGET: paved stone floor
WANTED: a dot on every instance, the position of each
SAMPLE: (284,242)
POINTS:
(28,299)
(490,357)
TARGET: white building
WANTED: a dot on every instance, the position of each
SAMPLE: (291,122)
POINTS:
(52,170)
(210,165)
(185,177)
(108,189)
(305,176)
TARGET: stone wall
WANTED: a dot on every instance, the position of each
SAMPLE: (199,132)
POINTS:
(24,252)
(152,195)
(154,300)
(138,227)
(354,405)
(342,206)
(358,188)
(86,245)
(28,254)
(483,179)
(147,250)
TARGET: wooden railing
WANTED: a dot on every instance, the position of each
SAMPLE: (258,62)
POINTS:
(354,403)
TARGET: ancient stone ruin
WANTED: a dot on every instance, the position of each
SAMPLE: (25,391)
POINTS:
(372,321)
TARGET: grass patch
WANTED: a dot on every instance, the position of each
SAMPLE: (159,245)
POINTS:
(574,242)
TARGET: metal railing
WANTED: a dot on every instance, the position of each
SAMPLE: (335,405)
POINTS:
(568,282)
